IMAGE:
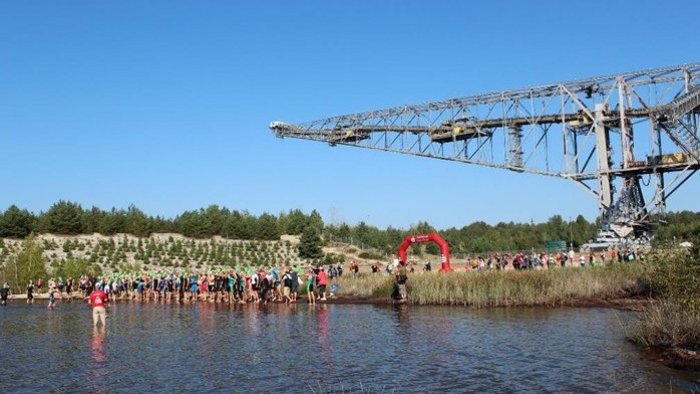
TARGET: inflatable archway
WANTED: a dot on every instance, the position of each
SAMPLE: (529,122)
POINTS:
(432,237)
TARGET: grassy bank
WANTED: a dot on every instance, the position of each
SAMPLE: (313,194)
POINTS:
(671,323)
(664,324)
(509,288)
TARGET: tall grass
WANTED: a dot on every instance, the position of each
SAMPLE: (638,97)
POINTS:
(508,288)
(674,318)
(664,323)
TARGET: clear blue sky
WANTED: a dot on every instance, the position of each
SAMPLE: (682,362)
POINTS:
(165,104)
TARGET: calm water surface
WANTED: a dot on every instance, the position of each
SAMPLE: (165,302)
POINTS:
(341,348)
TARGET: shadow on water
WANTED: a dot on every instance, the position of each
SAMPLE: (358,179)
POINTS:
(222,348)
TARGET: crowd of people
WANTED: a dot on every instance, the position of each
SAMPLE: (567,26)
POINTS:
(543,261)
(282,283)
(533,260)
(269,284)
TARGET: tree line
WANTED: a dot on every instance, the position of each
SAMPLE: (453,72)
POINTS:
(70,218)
(477,237)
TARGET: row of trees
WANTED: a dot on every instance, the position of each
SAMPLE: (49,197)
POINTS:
(70,218)
(678,226)
(477,237)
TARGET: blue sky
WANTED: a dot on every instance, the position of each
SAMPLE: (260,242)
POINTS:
(165,104)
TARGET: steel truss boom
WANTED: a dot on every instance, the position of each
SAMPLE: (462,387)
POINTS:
(604,133)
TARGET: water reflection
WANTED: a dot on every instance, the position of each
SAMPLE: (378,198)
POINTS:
(402,316)
(97,345)
(323,332)
(98,370)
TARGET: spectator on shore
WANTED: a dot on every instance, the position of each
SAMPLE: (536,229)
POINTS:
(354,268)
(340,270)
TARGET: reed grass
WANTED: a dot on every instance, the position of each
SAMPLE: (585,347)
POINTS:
(507,288)
(664,323)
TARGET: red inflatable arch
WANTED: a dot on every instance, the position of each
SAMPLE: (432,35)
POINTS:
(432,237)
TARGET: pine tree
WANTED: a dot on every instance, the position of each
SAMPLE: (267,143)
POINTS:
(16,223)
(91,220)
(316,221)
(310,244)
(267,228)
(136,222)
(113,222)
(64,217)
(194,224)
(296,222)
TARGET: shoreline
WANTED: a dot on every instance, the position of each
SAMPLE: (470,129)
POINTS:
(634,304)
(676,357)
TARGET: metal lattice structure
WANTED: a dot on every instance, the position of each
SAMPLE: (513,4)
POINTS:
(607,134)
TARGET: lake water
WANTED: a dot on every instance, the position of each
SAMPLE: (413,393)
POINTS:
(338,348)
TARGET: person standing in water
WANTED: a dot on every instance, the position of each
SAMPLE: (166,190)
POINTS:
(98,300)
(30,292)
(401,277)
(4,293)
(311,280)
(52,297)
(69,288)
(322,280)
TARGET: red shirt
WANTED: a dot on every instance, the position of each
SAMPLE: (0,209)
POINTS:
(98,298)
(322,278)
